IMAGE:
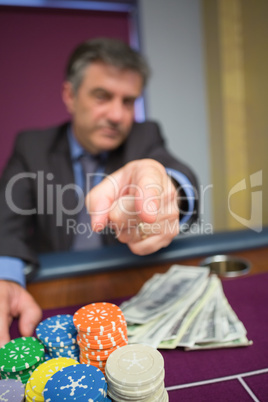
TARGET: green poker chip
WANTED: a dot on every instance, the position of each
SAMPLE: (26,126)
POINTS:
(18,377)
(21,354)
(23,372)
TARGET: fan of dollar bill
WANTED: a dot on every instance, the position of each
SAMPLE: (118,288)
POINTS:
(185,307)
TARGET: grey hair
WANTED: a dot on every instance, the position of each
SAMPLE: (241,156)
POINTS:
(110,51)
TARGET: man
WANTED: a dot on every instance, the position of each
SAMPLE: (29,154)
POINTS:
(42,188)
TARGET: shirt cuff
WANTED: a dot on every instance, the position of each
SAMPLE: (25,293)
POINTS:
(187,187)
(11,269)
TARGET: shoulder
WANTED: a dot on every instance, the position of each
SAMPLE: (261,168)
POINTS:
(148,131)
(35,144)
(145,126)
(34,139)
(40,135)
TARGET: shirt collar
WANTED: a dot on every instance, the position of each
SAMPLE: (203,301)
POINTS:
(77,150)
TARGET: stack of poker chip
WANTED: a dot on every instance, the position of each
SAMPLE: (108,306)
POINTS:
(77,383)
(101,330)
(37,382)
(20,357)
(58,335)
(11,390)
(136,372)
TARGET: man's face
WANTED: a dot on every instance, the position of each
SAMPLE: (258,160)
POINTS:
(103,108)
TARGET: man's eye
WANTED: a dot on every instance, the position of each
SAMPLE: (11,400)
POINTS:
(129,102)
(101,96)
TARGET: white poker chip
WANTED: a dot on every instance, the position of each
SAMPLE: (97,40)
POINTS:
(151,396)
(142,391)
(136,373)
(158,395)
(135,365)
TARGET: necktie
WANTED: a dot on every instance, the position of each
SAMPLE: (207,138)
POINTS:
(84,237)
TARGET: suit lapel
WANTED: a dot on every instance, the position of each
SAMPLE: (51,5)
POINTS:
(64,196)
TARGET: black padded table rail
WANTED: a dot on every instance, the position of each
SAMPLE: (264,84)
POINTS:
(57,265)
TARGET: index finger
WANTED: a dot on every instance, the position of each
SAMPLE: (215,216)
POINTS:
(141,178)
(5,321)
(149,182)
(100,200)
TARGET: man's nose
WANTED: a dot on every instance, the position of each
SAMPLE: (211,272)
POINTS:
(115,111)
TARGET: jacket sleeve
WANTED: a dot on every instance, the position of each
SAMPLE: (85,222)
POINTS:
(17,208)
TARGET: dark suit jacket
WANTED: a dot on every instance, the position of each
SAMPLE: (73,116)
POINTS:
(44,156)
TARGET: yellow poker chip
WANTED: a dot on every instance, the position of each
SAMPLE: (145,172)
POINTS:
(31,396)
(36,383)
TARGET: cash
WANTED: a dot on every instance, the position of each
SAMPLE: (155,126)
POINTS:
(185,307)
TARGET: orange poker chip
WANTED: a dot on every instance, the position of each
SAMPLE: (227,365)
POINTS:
(94,358)
(121,327)
(100,365)
(110,337)
(98,317)
(101,355)
(101,344)
(95,364)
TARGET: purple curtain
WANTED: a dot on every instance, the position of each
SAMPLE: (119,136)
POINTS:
(34,46)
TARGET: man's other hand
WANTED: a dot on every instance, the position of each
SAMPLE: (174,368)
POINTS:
(15,301)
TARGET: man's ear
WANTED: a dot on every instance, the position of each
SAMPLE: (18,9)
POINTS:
(68,96)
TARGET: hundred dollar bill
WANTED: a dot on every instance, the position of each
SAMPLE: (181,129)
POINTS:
(185,307)
(210,327)
(191,315)
(243,341)
(189,337)
(236,328)
(136,332)
(163,326)
(192,302)
(158,298)
(216,323)
(221,324)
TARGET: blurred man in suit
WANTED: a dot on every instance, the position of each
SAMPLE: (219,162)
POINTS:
(136,192)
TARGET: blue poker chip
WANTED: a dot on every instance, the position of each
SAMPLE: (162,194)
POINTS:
(58,330)
(11,390)
(47,356)
(79,382)
(64,350)
(71,355)
(72,351)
